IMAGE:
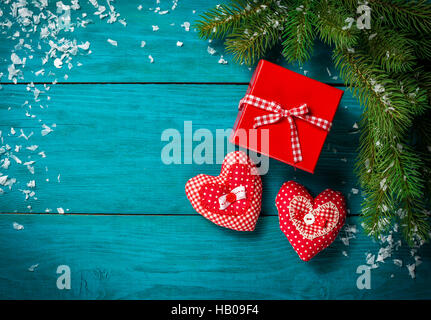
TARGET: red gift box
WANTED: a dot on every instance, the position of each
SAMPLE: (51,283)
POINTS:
(289,106)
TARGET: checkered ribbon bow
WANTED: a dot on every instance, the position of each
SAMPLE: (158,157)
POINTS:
(280,113)
(227,199)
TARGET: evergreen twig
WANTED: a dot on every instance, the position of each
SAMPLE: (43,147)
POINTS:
(299,32)
(386,68)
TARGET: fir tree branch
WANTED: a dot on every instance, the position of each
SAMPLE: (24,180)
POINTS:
(391,49)
(299,32)
(394,175)
(387,70)
(255,38)
(423,46)
(422,131)
(333,26)
(375,90)
(414,15)
(220,21)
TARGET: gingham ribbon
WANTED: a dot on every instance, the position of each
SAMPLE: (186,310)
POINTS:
(226,200)
(279,113)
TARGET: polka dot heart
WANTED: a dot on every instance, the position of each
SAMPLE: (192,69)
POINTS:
(309,224)
(221,199)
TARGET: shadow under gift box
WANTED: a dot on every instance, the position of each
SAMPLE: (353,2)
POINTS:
(290,90)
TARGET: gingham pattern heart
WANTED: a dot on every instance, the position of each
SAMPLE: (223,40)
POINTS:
(280,113)
(204,191)
(328,213)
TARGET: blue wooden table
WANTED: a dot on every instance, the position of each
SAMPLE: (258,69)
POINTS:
(128,231)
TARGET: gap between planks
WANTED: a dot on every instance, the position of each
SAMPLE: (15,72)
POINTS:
(130,214)
(148,83)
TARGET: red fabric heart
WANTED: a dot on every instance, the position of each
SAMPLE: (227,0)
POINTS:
(309,224)
(204,191)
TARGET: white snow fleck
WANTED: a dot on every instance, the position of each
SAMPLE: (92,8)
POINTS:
(17,160)
(113,42)
(398,262)
(31,184)
(17,226)
(60,210)
(222,61)
(186,26)
(179,44)
(58,63)
(46,130)
(32,147)
(411,268)
(151,58)
(211,51)
(3,180)
(6,163)
(33,267)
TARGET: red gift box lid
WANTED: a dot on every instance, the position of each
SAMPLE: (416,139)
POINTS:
(290,90)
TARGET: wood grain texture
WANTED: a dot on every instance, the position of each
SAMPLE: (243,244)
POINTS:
(107,148)
(167,257)
(129,62)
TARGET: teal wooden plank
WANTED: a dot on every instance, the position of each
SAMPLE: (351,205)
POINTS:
(107,145)
(169,257)
(128,61)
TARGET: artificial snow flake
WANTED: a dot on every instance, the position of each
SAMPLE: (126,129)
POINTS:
(384,253)
(58,63)
(398,262)
(17,160)
(33,267)
(3,180)
(411,268)
(6,163)
(151,58)
(179,44)
(16,60)
(84,46)
(143,43)
(211,51)
(32,147)
(383,184)
(222,61)
(46,130)
(17,226)
(186,26)
(372,36)
(31,184)
(60,210)
(113,42)
(155,28)
(23,135)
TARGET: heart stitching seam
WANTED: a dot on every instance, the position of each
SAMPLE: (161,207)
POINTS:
(328,210)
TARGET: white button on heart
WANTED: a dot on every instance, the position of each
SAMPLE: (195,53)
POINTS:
(309,218)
